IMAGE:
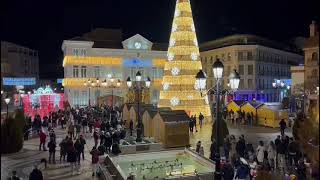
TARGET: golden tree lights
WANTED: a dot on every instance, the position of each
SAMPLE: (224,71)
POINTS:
(182,64)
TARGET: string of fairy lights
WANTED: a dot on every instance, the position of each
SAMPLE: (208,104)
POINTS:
(178,90)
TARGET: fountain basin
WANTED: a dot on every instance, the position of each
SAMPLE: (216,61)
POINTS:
(174,164)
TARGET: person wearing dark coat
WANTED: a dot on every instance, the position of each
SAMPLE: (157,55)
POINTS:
(72,158)
(283,126)
(36,174)
(227,171)
(52,150)
(63,148)
(240,147)
(242,172)
(191,124)
(213,150)
(82,142)
(77,146)
(108,142)
(95,159)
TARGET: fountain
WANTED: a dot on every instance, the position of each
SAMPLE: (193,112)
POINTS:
(174,164)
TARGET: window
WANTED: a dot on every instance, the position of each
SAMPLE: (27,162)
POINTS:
(241,69)
(250,84)
(75,71)
(229,57)
(250,56)
(84,99)
(241,84)
(250,69)
(83,71)
(240,56)
(211,60)
(79,52)
(96,71)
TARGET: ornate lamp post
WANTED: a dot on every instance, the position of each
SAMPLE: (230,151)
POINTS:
(234,80)
(7,101)
(138,89)
(90,84)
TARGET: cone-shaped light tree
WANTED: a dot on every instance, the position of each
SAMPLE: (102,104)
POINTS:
(183,63)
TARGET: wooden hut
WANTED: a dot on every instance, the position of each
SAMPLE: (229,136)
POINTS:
(251,107)
(133,111)
(126,114)
(235,105)
(270,114)
(147,119)
(172,128)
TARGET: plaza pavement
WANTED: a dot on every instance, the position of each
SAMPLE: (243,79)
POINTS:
(23,161)
(30,155)
(252,135)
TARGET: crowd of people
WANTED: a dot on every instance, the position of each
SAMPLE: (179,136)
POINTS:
(241,160)
(104,124)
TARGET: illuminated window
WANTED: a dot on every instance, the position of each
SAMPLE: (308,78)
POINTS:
(75,98)
(75,71)
(83,71)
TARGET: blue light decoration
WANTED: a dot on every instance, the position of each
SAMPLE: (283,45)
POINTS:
(11,81)
(59,81)
(137,63)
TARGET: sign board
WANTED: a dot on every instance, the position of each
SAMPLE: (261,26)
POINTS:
(11,81)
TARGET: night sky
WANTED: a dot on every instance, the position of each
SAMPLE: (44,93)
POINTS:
(44,24)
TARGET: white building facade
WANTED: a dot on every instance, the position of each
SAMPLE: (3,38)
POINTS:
(83,62)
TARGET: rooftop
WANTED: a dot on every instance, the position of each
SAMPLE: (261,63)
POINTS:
(174,116)
(246,39)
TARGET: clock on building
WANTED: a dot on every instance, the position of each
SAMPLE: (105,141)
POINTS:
(137,45)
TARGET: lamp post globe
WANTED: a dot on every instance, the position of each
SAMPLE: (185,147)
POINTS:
(217,68)
(7,100)
(129,82)
(200,80)
(118,83)
(234,80)
(138,76)
(148,82)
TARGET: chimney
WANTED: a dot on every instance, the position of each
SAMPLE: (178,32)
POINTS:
(313,29)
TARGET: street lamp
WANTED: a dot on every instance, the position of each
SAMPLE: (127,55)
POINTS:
(234,80)
(21,98)
(138,88)
(89,84)
(7,101)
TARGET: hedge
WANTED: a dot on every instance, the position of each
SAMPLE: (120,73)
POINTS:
(12,133)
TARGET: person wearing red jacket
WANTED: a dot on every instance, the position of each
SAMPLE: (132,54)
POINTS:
(43,137)
(95,159)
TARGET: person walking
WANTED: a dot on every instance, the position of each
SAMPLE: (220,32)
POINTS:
(52,150)
(272,155)
(191,124)
(213,150)
(43,137)
(78,147)
(96,137)
(242,171)
(227,171)
(195,122)
(198,146)
(201,117)
(283,126)
(72,159)
(84,124)
(63,148)
(201,151)
(281,155)
(78,130)
(292,152)
(108,142)
(260,152)
(71,129)
(82,142)
(95,159)
(36,174)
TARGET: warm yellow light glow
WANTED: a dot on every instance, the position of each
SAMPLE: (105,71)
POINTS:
(79,82)
(159,62)
(178,91)
(73,60)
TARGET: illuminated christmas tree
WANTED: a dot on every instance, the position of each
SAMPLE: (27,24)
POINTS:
(179,91)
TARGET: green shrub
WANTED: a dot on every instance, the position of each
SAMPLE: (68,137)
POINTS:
(12,133)
(223,131)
